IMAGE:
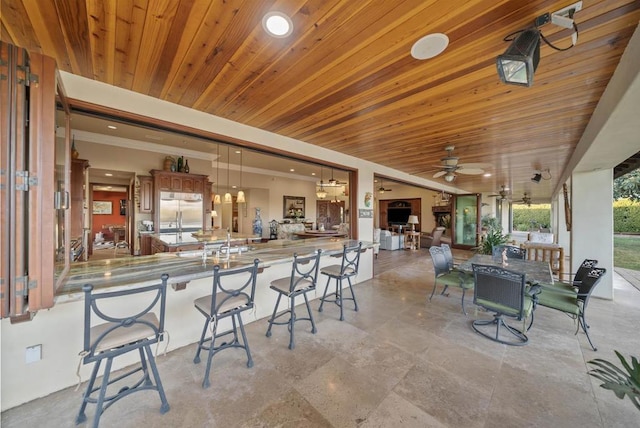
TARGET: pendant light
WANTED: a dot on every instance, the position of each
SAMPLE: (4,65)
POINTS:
(321,193)
(216,198)
(227,196)
(240,198)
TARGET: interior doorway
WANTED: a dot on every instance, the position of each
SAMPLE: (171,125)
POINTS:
(330,213)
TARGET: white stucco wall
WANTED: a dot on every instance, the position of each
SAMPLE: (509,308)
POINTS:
(592,224)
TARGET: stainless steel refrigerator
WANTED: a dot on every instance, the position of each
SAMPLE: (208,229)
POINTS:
(181,212)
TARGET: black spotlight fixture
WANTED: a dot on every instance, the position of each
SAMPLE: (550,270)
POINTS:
(536,177)
(518,63)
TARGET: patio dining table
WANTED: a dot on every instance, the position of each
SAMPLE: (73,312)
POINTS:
(534,270)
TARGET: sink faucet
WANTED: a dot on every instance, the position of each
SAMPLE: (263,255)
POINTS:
(226,249)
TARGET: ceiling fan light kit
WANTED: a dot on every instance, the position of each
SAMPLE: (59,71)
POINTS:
(449,166)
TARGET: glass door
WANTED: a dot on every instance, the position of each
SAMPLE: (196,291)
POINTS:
(466,221)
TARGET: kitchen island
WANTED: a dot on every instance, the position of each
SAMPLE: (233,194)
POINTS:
(59,330)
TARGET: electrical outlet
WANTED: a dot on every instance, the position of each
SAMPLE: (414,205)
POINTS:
(542,20)
(567,12)
(33,354)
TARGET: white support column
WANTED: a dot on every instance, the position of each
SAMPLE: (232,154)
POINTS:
(592,224)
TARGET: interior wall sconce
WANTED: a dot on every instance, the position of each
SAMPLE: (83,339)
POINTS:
(519,62)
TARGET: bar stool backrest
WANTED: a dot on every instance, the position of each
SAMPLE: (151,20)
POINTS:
(122,333)
(305,270)
(233,295)
(350,260)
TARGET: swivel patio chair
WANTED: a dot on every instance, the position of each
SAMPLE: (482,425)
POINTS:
(120,334)
(432,239)
(446,277)
(513,252)
(304,274)
(347,269)
(573,303)
(504,292)
(233,292)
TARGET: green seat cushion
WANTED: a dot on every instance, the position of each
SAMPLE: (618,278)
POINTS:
(561,301)
(455,280)
(558,286)
(503,309)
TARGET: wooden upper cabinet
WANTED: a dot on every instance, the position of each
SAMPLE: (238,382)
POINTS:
(178,181)
(146,194)
(188,185)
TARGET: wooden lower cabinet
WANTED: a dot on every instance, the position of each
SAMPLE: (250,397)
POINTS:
(145,245)
(157,246)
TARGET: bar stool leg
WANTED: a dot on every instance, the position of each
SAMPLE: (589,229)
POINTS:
(339,296)
(292,320)
(196,359)
(244,339)
(313,324)
(352,294)
(102,393)
(273,316)
(164,408)
(324,295)
(82,417)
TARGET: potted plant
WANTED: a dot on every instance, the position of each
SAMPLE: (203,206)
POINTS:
(492,235)
(621,382)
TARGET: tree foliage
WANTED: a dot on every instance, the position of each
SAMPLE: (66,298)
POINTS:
(627,186)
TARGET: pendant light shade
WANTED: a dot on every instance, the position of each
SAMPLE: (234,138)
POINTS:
(240,199)
(227,196)
(321,193)
(216,198)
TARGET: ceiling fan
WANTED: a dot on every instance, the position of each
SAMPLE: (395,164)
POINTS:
(526,199)
(382,189)
(333,182)
(450,166)
(502,195)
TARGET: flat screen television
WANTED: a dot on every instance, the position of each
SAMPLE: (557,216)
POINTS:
(398,215)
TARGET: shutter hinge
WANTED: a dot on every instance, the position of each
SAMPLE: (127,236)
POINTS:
(29,79)
(27,181)
(24,291)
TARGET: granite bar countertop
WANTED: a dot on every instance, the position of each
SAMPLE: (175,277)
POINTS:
(184,267)
(188,238)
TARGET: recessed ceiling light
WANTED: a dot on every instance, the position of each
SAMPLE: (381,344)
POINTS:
(238,152)
(486,174)
(277,24)
(313,173)
(292,170)
(429,46)
(108,174)
(112,127)
(234,187)
(108,187)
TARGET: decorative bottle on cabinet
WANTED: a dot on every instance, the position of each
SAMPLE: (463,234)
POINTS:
(257,224)
(186,166)
(179,166)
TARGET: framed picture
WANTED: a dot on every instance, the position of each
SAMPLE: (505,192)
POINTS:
(102,207)
(293,206)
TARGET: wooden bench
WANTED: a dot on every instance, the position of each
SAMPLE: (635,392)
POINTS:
(551,253)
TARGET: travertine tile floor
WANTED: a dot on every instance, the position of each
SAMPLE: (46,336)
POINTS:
(399,361)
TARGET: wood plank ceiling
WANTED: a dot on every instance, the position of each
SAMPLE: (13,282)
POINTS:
(345,79)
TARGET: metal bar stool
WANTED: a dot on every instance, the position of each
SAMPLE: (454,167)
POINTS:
(345,270)
(233,293)
(304,274)
(117,336)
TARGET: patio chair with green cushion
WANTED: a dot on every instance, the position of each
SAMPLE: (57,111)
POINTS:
(504,292)
(573,303)
(579,276)
(444,275)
